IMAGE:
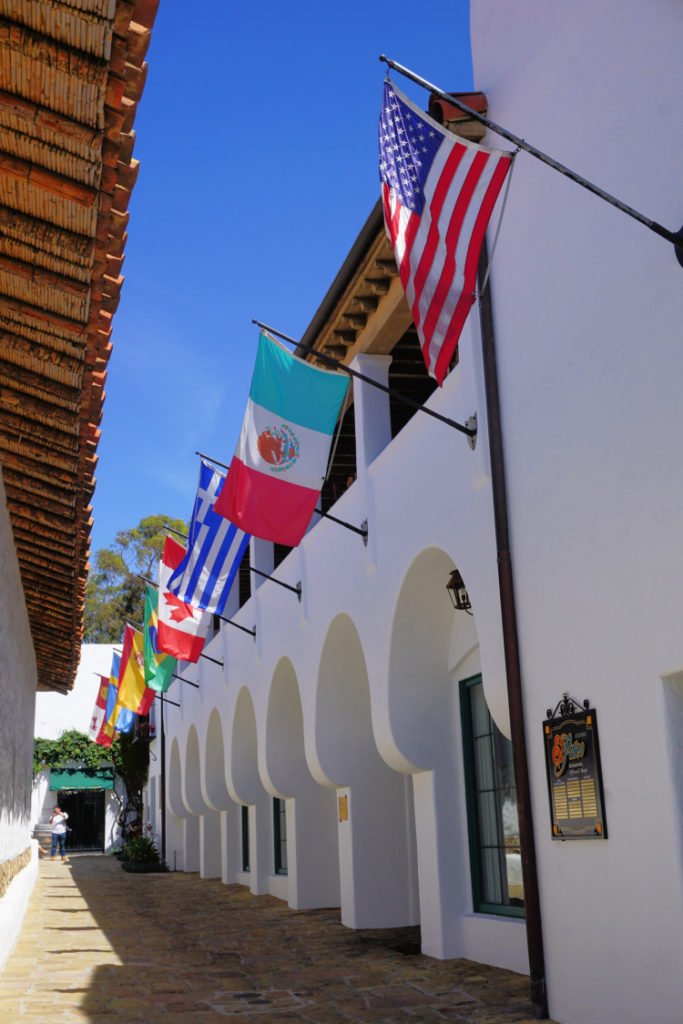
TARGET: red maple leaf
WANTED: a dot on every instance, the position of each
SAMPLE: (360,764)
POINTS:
(181,611)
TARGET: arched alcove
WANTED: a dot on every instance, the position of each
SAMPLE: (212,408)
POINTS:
(312,853)
(421,686)
(182,828)
(207,820)
(245,787)
(215,785)
(376,838)
(432,644)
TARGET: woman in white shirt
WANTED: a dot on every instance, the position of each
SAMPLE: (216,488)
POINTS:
(58,822)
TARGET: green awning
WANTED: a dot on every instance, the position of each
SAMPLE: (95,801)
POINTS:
(82,778)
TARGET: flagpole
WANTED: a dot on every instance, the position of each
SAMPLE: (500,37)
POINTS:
(251,632)
(288,586)
(214,660)
(162,751)
(189,682)
(362,530)
(167,700)
(675,237)
(469,428)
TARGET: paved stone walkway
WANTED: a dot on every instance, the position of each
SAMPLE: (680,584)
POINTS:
(103,946)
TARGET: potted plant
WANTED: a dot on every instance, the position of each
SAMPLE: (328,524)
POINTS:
(142,856)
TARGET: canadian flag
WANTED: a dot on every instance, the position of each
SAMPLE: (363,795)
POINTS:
(182,627)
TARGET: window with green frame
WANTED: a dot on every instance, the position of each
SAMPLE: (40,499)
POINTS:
(280,836)
(491,808)
(245,838)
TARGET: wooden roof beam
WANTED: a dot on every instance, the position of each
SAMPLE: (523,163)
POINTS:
(19,488)
(64,396)
(25,535)
(45,49)
(69,243)
(44,278)
(43,316)
(52,363)
(29,407)
(49,120)
(48,181)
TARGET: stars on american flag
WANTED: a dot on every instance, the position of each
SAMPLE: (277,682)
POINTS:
(408,144)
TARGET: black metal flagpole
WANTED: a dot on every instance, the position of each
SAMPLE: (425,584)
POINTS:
(214,660)
(675,237)
(288,586)
(251,632)
(188,681)
(469,428)
(167,700)
(162,781)
(362,530)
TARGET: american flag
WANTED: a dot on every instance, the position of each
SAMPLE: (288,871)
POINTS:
(214,550)
(438,193)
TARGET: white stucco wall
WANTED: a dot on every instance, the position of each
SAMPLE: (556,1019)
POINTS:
(56,712)
(17,694)
(588,308)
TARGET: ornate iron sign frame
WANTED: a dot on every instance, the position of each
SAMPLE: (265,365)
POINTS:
(574,772)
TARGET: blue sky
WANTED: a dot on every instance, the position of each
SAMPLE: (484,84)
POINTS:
(256,135)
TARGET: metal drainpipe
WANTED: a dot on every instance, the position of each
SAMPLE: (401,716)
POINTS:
(534,929)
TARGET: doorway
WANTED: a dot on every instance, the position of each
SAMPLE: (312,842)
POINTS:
(85,808)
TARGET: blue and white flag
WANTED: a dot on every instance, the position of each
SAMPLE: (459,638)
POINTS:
(214,550)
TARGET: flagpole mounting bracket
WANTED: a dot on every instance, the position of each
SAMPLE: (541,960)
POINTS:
(678,246)
(364,533)
(471,425)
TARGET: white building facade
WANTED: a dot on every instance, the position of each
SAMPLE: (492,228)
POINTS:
(95,809)
(333,758)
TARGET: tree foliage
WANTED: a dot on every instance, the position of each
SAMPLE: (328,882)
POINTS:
(72,745)
(115,592)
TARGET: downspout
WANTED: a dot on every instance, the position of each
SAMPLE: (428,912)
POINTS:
(534,930)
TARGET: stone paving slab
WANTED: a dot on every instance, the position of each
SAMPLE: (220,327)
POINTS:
(100,946)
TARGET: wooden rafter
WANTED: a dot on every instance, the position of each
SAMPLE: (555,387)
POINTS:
(77,78)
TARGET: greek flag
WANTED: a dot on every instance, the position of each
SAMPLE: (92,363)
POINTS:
(214,550)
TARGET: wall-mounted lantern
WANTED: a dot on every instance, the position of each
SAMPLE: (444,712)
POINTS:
(457,592)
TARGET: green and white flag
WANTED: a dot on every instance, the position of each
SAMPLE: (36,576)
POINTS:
(159,667)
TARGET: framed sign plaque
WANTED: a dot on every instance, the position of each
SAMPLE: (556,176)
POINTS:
(572,759)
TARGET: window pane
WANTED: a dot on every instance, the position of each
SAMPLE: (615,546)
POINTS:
(489,832)
(494,824)
(483,756)
(493,890)
(481,720)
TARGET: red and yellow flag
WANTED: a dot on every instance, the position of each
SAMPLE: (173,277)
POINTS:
(133,694)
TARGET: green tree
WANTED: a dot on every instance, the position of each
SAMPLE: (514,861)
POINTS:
(115,592)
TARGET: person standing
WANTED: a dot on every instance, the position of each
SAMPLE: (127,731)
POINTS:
(58,823)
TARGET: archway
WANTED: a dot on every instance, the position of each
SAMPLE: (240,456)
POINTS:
(215,791)
(376,854)
(245,787)
(312,853)
(182,831)
(207,820)
(428,640)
